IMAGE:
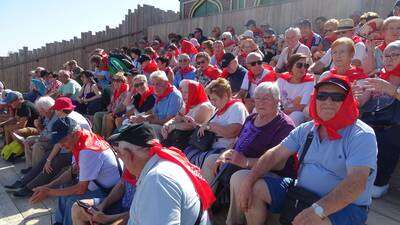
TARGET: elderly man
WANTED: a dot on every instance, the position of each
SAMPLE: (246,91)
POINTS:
(70,87)
(292,39)
(339,155)
(168,102)
(95,164)
(229,41)
(233,72)
(169,188)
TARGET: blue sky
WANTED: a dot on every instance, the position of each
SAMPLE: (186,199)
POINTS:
(34,23)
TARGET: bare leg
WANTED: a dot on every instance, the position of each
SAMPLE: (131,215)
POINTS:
(257,213)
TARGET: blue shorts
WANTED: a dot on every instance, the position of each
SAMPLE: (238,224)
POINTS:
(350,215)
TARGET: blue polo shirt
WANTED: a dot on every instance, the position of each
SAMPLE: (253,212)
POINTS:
(327,162)
(169,106)
(179,77)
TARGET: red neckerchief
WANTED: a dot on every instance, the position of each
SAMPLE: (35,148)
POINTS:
(356,39)
(176,156)
(124,87)
(145,95)
(167,91)
(270,77)
(187,69)
(226,106)
(104,60)
(127,176)
(382,46)
(347,114)
(212,72)
(306,78)
(218,57)
(354,73)
(188,48)
(150,67)
(225,73)
(387,74)
(88,140)
(154,56)
(243,54)
(308,42)
(197,95)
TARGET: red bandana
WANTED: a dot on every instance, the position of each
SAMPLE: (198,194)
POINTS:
(226,106)
(167,91)
(243,54)
(356,39)
(225,73)
(219,56)
(387,74)
(145,95)
(212,72)
(354,73)
(126,175)
(187,69)
(150,67)
(188,48)
(124,87)
(382,46)
(176,156)
(197,95)
(347,114)
(308,42)
(270,77)
(306,78)
(88,140)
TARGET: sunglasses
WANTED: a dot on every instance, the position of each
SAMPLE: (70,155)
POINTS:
(138,84)
(335,97)
(300,65)
(259,62)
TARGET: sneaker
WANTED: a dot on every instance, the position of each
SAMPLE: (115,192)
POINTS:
(15,186)
(25,171)
(379,191)
(23,192)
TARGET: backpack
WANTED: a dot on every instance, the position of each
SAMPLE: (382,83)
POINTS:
(12,151)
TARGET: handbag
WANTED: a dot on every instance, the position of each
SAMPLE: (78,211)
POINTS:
(205,142)
(298,198)
(178,139)
(386,116)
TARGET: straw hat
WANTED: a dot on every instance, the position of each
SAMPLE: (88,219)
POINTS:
(345,25)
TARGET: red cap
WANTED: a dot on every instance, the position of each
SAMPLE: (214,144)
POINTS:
(63,103)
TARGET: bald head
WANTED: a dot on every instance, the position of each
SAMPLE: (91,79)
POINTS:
(253,57)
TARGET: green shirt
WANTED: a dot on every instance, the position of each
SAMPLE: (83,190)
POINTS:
(70,88)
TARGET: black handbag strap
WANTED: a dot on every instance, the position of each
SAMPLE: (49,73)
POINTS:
(306,146)
(104,189)
(198,220)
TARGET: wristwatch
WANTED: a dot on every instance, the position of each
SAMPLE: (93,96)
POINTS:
(319,211)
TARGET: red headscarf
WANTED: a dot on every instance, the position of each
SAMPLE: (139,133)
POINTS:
(188,48)
(212,72)
(187,69)
(150,67)
(227,105)
(387,74)
(88,140)
(167,91)
(126,175)
(306,78)
(176,156)
(354,73)
(145,95)
(124,87)
(270,77)
(347,114)
(197,95)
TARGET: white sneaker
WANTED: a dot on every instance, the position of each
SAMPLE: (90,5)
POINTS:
(379,191)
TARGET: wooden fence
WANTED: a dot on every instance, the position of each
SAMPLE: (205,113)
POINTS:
(15,67)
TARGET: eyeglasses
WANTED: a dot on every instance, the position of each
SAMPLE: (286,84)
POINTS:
(259,62)
(140,84)
(300,65)
(392,56)
(334,96)
(201,62)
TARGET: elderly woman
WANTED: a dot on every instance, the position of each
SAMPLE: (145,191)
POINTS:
(205,72)
(292,39)
(296,87)
(197,110)
(246,46)
(184,70)
(225,124)
(379,98)
(216,59)
(88,102)
(229,41)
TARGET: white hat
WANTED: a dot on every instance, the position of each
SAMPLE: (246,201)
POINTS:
(248,33)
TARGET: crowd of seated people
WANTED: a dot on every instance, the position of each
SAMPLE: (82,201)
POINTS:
(171,131)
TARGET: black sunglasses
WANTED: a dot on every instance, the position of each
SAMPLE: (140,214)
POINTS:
(299,65)
(259,62)
(138,84)
(335,97)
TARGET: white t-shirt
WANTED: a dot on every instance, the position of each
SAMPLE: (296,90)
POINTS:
(360,53)
(290,92)
(237,113)
(165,195)
(245,82)
(283,60)
(193,111)
(99,166)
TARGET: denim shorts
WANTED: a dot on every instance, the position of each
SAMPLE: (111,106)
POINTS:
(349,215)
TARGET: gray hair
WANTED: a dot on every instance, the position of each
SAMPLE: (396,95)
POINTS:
(45,103)
(394,46)
(390,20)
(160,75)
(227,34)
(140,77)
(269,88)
(253,55)
(184,56)
(296,30)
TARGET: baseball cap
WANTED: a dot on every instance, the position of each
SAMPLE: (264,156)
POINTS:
(63,103)
(138,135)
(12,96)
(61,128)
(336,80)
(226,59)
